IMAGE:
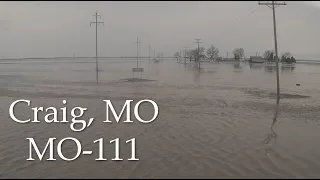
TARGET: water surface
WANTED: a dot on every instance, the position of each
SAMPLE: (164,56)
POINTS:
(212,123)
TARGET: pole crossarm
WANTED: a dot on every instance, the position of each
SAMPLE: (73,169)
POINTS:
(269,4)
(276,4)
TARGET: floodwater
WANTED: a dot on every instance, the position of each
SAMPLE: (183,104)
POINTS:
(212,123)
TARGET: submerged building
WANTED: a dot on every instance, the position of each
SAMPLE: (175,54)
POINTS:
(256,59)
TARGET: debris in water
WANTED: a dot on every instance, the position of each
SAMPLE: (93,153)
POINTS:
(136,80)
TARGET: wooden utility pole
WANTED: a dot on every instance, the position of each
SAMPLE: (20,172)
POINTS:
(97,23)
(185,55)
(198,54)
(273,6)
(149,54)
(138,42)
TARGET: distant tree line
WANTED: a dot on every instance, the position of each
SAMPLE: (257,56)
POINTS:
(212,54)
(286,57)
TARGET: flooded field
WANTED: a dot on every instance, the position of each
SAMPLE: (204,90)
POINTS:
(212,123)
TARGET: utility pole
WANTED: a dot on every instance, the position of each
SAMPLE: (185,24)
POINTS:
(273,7)
(97,23)
(198,42)
(185,55)
(138,42)
(149,53)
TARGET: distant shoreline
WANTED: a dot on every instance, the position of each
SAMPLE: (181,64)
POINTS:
(298,61)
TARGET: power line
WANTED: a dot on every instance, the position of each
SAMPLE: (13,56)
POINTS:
(253,10)
(97,23)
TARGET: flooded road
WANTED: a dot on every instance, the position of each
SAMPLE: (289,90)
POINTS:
(212,123)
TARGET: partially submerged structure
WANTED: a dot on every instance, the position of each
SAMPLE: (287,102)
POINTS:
(256,59)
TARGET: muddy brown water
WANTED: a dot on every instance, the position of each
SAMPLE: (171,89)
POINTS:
(212,123)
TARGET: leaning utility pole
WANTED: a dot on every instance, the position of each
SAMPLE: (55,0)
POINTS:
(198,56)
(138,42)
(96,22)
(275,40)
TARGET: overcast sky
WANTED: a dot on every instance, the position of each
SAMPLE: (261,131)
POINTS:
(33,29)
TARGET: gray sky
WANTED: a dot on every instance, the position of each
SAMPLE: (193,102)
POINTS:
(33,29)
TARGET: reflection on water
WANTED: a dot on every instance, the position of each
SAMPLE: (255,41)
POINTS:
(270,68)
(273,134)
(287,69)
(210,124)
(197,74)
(254,66)
(237,65)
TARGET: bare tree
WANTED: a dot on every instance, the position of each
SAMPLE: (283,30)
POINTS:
(238,53)
(194,53)
(287,58)
(286,55)
(269,55)
(176,54)
(212,52)
(200,53)
(190,54)
(219,59)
